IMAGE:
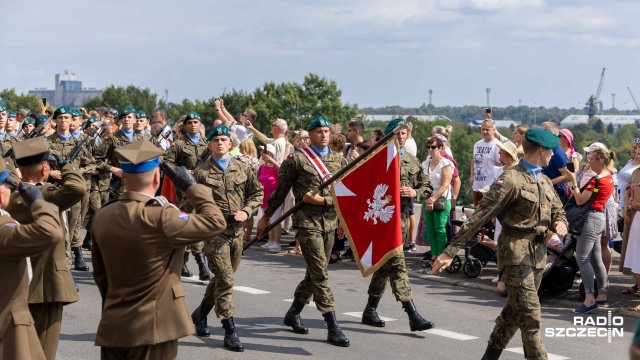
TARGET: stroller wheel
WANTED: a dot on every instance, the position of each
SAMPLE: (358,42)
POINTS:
(455,266)
(595,289)
(472,268)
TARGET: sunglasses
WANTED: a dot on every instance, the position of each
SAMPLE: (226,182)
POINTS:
(244,115)
(432,147)
(637,141)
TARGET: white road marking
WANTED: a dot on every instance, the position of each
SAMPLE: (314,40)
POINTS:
(312,303)
(249,290)
(520,350)
(359,315)
(450,334)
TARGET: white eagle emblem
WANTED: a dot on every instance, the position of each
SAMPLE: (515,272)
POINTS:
(377,208)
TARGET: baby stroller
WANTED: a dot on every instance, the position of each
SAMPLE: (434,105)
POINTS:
(476,255)
(559,276)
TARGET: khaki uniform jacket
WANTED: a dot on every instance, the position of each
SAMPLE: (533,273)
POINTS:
(236,189)
(298,174)
(18,337)
(138,247)
(52,281)
(526,207)
(5,144)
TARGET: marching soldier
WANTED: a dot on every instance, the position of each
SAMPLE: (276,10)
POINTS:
(99,182)
(139,228)
(524,201)
(105,155)
(52,286)
(27,127)
(316,223)
(238,193)
(19,337)
(186,152)
(413,184)
(61,143)
(5,138)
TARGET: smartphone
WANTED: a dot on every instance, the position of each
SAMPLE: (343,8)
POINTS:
(44,101)
(487,110)
(571,167)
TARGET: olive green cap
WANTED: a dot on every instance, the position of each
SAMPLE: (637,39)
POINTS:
(138,157)
(392,125)
(219,130)
(61,111)
(542,137)
(320,121)
(31,151)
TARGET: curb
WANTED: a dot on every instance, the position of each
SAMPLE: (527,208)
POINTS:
(483,287)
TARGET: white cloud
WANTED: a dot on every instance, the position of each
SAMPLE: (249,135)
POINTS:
(489,5)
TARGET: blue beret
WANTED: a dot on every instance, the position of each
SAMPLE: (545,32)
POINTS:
(192,115)
(126,111)
(62,110)
(2,107)
(320,121)
(219,130)
(11,114)
(542,137)
(392,125)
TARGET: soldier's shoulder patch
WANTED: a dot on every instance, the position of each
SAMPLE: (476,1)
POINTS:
(184,216)
(11,224)
(499,182)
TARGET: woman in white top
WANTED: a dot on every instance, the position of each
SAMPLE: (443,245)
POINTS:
(440,172)
(625,174)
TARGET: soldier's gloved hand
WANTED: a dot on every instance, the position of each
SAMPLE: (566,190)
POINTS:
(179,175)
(29,194)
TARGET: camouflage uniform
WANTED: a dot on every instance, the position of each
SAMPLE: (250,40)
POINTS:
(100,182)
(411,175)
(526,208)
(315,223)
(5,144)
(106,158)
(185,152)
(87,166)
(236,189)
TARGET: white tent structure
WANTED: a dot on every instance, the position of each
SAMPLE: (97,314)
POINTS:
(615,120)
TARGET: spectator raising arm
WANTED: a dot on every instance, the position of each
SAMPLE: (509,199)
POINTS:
(260,136)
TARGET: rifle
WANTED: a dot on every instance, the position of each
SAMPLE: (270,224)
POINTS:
(203,157)
(73,154)
(162,134)
(35,133)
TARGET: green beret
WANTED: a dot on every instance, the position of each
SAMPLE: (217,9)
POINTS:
(41,119)
(11,114)
(76,113)
(141,114)
(219,130)
(542,137)
(192,115)
(126,111)
(90,121)
(2,107)
(320,121)
(62,110)
(392,125)
(28,121)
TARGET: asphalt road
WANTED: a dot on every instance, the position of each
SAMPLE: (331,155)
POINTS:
(265,283)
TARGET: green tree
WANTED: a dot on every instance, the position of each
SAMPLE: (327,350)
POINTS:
(118,97)
(15,101)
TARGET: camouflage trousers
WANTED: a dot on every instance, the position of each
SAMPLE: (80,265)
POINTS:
(316,249)
(223,255)
(98,198)
(76,217)
(395,271)
(522,311)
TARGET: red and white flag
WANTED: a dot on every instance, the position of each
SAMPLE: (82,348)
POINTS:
(368,204)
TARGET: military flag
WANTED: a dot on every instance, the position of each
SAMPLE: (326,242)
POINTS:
(367,199)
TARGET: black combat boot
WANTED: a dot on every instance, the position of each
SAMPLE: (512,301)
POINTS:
(416,322)
(199,317)
(491,353)
(185,269)
(335,335)
(78,261)
(370,316)
(292,318)
(202,264)
(231,340)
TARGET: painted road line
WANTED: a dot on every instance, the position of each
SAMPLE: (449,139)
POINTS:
(359,315)
(249,290)
(312,303)
(520,350)
(450,334)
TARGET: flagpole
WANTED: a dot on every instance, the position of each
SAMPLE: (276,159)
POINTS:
(335,177)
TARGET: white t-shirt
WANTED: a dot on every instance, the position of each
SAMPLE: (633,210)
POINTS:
(623,178)
(281,148)
(411,147)
(435,176)
(486,155)
(242,132)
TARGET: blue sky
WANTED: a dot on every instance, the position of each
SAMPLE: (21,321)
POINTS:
(380,53)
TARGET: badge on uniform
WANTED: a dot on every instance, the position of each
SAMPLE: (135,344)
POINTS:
(11,224)
(184,216)
(499,182)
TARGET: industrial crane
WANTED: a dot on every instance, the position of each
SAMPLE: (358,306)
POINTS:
(634,98)
(594,101)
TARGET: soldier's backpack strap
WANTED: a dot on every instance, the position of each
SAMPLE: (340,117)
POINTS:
(160,200)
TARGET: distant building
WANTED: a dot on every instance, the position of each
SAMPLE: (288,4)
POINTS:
(615,120)
(68,91)
(369,118)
